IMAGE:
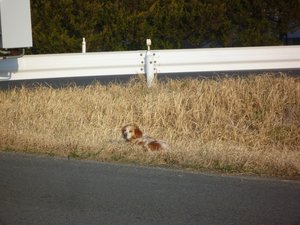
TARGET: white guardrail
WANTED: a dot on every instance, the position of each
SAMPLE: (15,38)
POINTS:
(149,62)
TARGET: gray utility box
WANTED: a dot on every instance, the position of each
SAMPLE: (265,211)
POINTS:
(15,24)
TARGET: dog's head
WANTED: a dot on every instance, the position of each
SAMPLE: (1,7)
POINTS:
(131,132)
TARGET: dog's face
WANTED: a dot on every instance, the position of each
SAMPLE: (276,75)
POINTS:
(131,132)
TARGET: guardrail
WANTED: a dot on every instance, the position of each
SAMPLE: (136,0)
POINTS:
(149,62)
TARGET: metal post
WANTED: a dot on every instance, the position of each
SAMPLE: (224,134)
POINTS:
(149,64)
(83,45)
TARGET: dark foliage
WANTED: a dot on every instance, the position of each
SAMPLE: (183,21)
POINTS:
(60,25)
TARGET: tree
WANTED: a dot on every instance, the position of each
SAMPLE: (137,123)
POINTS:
(60,25)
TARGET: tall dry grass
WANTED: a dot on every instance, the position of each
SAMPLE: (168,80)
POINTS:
(247,124)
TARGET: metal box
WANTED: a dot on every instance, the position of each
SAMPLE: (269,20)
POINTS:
(15,24)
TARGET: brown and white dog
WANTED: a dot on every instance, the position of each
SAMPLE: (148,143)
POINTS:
(132,133)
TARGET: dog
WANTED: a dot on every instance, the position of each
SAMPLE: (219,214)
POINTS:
(132,133)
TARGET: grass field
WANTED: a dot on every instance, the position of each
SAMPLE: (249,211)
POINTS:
(238,125)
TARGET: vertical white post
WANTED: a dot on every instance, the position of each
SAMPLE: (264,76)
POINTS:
(149,64)
(83,45)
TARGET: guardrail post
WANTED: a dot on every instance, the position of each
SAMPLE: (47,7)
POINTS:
(83,45)
(149,64)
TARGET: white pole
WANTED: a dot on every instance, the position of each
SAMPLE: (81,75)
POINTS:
(148,43)
(149,64)
(83,45)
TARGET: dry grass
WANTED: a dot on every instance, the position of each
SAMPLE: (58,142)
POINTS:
(249,125)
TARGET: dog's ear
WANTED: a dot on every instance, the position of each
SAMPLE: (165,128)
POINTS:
(137,132)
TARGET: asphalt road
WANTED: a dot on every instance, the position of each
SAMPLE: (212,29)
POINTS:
(43,190)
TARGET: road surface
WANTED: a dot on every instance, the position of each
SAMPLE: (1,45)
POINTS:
(38,190)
